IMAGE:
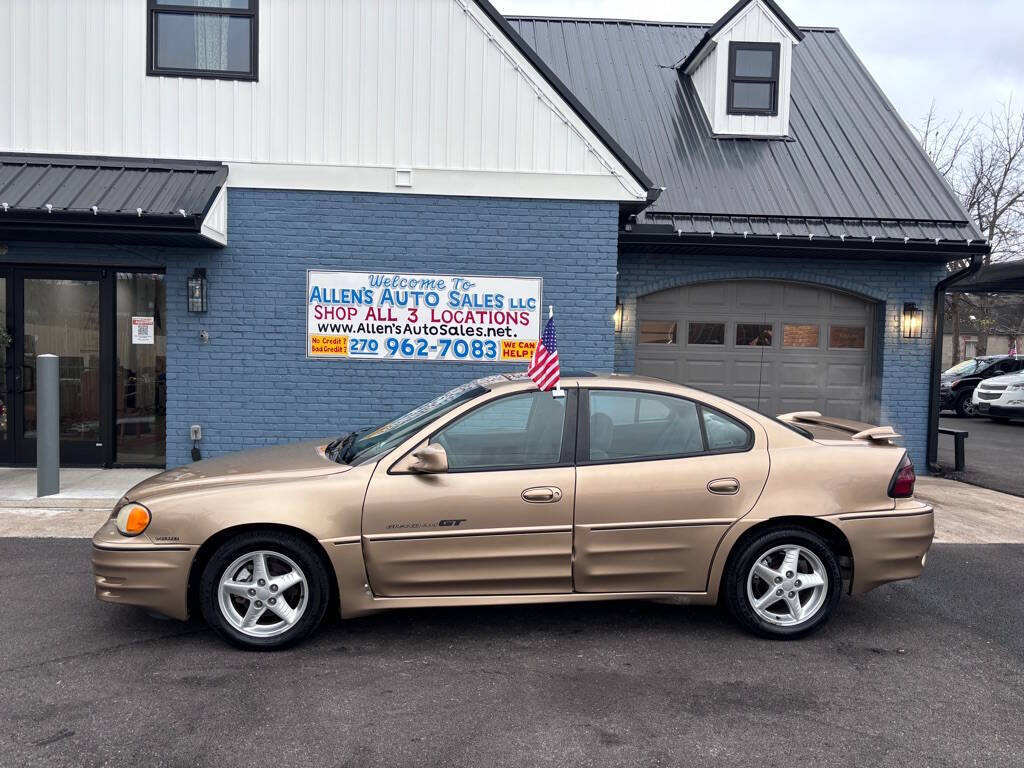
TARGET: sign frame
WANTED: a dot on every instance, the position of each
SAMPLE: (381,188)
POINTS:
(334,358)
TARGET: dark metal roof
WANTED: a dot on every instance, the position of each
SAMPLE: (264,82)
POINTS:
(715,28)
(995,278)
(850,167)
(96,198)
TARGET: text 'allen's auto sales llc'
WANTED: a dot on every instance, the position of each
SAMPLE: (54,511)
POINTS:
(401,316)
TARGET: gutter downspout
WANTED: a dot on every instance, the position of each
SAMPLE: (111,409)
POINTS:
(936,374)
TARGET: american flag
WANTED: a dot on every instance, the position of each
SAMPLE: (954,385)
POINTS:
(544,368)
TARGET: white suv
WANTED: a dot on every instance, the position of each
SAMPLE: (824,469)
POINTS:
(1001,398)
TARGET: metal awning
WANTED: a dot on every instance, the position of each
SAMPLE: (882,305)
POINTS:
(1006,277)
(83,198)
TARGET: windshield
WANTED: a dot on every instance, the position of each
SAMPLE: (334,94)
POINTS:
(376,441)
(968,367)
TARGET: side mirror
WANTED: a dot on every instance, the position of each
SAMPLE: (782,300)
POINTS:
(431,459)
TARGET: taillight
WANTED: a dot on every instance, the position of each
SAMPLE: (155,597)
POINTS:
(902,485)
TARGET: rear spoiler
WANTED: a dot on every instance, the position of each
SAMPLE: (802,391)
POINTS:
(858,430)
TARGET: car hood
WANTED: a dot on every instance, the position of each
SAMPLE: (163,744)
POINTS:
(276,463)
(1006,379)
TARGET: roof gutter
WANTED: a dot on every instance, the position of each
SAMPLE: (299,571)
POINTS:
(936,373)
(644,236)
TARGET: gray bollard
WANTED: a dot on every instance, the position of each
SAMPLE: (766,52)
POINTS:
(47,425)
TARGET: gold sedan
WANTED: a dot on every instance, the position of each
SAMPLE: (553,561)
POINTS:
(495,493)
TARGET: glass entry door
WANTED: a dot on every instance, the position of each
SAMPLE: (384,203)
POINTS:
(60,313)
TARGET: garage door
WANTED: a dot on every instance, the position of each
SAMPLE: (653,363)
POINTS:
(773,346)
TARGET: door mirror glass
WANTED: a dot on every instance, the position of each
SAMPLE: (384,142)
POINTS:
(431,459)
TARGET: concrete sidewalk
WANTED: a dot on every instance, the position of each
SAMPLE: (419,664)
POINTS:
(967,514)
(84,502)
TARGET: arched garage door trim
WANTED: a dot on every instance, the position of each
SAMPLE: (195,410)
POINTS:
(812,372)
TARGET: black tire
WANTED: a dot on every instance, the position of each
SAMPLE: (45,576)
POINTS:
(291,546)
(964,407)
(734,582)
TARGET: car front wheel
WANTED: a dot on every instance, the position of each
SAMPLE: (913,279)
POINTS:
(264,590)
(783,584)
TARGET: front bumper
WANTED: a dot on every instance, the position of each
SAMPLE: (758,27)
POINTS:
(132,571)
(990,409)
(888,546)
(947,398)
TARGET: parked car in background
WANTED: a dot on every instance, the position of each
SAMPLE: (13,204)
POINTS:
(1001,398)
(957,384)
(496,493)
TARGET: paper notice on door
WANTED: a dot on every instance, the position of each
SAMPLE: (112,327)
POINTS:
(142,330)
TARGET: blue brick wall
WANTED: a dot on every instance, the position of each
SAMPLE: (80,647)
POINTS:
(252,384)
(903,366)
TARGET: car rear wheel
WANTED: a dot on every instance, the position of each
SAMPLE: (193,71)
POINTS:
(783,584)
(264,590)
(965,407)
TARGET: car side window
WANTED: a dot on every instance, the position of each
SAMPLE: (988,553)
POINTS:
(640,425)
(522,430)
(724,433)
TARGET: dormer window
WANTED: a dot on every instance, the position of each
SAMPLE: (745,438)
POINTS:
(753,78)
(742,71)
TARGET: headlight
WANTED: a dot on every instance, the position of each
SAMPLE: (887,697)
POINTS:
(132,519)
(1016,388)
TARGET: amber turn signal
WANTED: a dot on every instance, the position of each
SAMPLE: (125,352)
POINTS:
(132,519)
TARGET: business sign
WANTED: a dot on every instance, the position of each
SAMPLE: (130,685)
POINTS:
(142,330)
(403,316)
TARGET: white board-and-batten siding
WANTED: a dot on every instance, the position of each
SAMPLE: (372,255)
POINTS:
(711,74)
(349,92)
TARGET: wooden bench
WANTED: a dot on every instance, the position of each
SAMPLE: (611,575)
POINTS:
(959,435)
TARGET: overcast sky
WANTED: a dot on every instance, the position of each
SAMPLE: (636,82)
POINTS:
(965,54)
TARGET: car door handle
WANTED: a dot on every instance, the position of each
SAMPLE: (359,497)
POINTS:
(725,486)
(543,495)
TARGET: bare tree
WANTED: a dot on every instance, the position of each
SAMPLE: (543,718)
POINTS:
(983,162)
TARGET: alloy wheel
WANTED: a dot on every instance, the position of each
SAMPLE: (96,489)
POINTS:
(787,585)
(263,593)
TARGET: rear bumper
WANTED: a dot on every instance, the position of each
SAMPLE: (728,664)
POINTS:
(888,546)
(132,572)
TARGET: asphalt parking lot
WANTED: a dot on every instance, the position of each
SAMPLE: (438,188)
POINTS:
(927,672)
(993,451)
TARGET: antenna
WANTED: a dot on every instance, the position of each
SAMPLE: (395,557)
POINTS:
(760,368)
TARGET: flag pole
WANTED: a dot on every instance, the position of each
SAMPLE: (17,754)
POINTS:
(557,391)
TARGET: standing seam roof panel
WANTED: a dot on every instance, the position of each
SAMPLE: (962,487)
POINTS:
(849,156)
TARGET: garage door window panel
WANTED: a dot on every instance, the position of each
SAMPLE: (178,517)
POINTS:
(636,426)
(706,333)
(657,332)
(846,337)
(515,432)
(754,335)
(800,335)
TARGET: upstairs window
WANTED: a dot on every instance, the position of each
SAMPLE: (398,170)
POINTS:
(203,38)
(753,79)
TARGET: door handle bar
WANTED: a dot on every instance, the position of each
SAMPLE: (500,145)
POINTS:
(543,495)
(725,486)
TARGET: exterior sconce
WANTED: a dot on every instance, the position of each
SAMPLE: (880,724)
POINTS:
(617,317)
(197,291)
(913,320)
